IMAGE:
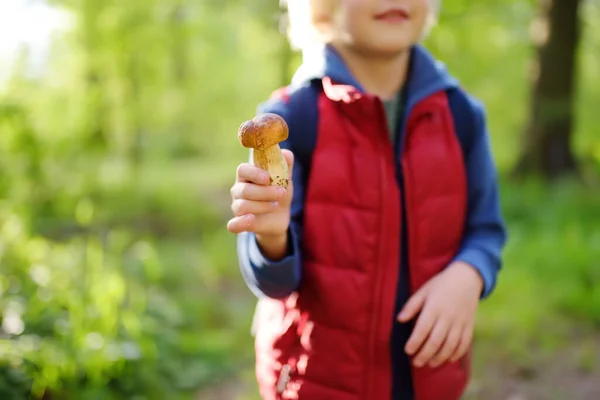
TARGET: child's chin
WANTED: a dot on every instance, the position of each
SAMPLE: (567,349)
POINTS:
(392,49)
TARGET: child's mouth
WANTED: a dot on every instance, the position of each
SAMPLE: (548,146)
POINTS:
(393,15)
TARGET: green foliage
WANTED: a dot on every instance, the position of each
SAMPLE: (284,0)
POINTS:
(114,268)
(551,276)
(564,222)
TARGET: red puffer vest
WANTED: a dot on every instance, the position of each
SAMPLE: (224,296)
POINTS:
(331,339)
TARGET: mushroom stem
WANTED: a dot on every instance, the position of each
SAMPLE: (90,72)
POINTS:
(271,160)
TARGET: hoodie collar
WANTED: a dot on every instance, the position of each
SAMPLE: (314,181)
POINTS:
(426,75)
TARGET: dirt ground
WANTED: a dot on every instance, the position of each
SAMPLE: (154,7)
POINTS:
(570,374)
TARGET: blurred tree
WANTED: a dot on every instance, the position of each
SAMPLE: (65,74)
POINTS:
(179,44)
(94,78)
(548,137)
(273,16)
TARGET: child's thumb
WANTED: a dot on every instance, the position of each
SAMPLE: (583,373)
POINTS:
(289,158)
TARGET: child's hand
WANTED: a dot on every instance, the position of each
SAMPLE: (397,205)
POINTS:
(261,208)
(447,305)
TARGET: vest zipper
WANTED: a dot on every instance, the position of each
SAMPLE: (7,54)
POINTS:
(380,275)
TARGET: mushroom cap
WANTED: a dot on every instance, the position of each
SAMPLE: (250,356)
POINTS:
(263,131)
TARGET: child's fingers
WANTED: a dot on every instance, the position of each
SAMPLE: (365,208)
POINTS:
(249,173)
(463,346)
(241,224)
(433,344)
(265,224)
(241,207)
(423,327)
(251,191)
(450,346)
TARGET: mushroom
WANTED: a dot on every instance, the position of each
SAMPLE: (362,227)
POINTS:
(262,136)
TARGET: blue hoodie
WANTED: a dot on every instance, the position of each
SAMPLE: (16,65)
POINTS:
(485,233)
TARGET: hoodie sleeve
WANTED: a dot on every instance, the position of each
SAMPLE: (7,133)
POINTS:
(485,234)
(268,278)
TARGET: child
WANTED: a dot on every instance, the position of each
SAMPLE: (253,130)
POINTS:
(370,267)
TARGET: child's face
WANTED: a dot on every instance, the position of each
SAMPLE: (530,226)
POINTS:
(380,27)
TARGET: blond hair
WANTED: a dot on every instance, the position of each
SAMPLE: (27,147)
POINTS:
(308,21)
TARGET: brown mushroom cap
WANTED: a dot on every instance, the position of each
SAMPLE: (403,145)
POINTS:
(263,131)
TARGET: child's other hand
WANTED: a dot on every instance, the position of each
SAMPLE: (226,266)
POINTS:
(261,208)
(446,305)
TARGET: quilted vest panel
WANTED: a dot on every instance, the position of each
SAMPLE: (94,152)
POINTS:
(331,339)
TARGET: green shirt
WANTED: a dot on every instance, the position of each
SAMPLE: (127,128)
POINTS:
(394,109)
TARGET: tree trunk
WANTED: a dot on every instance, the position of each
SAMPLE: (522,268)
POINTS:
(94,80)
(286,55)
(548,137)
(179,49)
(136,151)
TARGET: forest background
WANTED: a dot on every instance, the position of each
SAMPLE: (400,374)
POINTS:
(118,279)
